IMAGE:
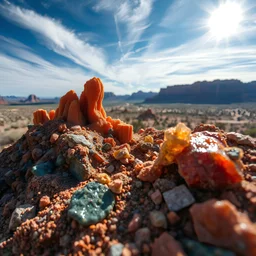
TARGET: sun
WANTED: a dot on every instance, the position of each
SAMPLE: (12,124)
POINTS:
(225,21)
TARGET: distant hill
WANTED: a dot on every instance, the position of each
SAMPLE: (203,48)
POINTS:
(215,92)
(108,96)
(140,95)
(31,99)
(3,101)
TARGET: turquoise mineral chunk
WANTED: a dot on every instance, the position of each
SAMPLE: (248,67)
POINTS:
(91,204)
(79,139)
(43,168)
(60,160)
(193,248)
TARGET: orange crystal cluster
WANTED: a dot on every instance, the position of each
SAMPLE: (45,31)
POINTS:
(88,110)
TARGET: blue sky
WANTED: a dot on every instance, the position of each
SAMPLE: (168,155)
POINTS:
(48,47)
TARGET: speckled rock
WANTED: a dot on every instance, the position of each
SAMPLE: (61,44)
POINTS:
(42,168)
(116,250)
(79,170)
(142,235)
(21,214)
(74,139)
(91,204)
(158,219)
(178,198)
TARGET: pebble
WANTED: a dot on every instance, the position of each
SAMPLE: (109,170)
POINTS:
(163,185)
(91,204)
(178,198)
(42,168)
(106,147)
(166,245)
(156,197)
(37,153)
(44,201)
(79,170)
(21,214)
(110,169)
(173,218)
(54,138)
(142,235)
(158,219)
(193,248)
(103,178)
(116,250)
(138,184)
(135,223)
(121,153)
(241,139)
(78,139)
(116,186)
(76,128)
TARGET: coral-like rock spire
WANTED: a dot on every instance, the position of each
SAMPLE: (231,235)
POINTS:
(88,110)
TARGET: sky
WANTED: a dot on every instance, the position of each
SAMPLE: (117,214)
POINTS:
(48,47)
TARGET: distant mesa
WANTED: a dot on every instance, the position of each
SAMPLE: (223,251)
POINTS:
(31,99)
(148,114)
(215,92)
(3,101)
(140,95)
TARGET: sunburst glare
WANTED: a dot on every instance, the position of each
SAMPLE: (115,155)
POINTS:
(225,21)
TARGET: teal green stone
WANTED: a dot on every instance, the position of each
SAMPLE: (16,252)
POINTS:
(91,204)
(43,169)
(193,248)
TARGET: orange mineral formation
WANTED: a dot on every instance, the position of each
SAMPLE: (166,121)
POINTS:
(87,110)
(40,116)
(224,226)
(203,159)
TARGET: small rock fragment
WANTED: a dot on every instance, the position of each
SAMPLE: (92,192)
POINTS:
(54,138)
(116,250)
(79,170)
(166,245)
(79,139)
(163,185)
(142,235)
(156,197)
(103,178)
(178,198)
(44,201)
(116,186)
(149,139)
(241,139)
(37,153)
(135,223)
(158,219)
(193,248)
(121,153)
(91,204)
(21,214)
(220,224)
(110,168)
(42,168)
(106,147)
(173,218)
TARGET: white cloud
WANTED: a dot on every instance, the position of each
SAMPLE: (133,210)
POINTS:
(25,72)
(132,14)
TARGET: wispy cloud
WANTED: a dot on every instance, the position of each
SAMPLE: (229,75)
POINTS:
(132,14)
(57,37)
(24,72)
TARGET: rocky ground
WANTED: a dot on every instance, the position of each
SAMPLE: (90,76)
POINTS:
(66,190)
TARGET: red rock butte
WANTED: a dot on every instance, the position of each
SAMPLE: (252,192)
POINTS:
(86,111)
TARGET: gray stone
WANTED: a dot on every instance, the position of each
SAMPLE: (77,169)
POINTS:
(116,250)
(21,214)
(163,185)
(79,139)
(241,139)
(158,219)
(79,170)
(110,169)
(142,235)
(91,204)
(178,198)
